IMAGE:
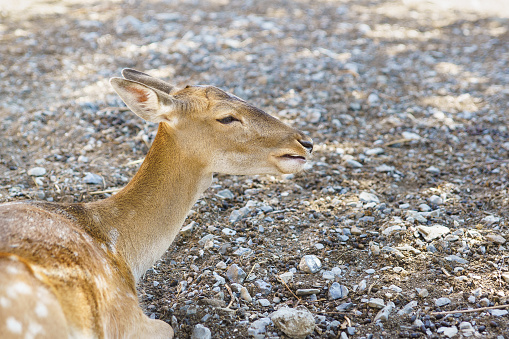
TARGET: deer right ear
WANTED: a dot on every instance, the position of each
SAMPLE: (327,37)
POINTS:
(148,103)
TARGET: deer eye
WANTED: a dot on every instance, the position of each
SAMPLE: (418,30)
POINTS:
(227,120)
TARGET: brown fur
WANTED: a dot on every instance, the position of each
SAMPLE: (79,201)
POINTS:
(69,270)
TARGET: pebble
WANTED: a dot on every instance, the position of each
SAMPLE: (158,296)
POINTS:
(235,274)
(424,208)
(353,163)
(498,313)
(307,291)
(368,197)
(201,332)
(258,328)
(225,194)
(286,277)
(491,219)
(466,329)
(484,302)
(376,303)
(37,171)
(442,302)
(383,314)
(242,251)
(244,294)
(422,292)
(92,178)
(505,276)
(436,200)
(228,231)
(337,291)
(408,308)
(295,323)
(448,331)
(495,238)
(264,302)
(456,259)
(188,229)
(430,233)
(411,136)
(310,264)
(263,286)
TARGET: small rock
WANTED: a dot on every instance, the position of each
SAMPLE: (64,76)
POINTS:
(221,265)
(368,197)
(244,294)
(93,179)
(264,302)
(376,303)
(337,291)
(385,168)
(295,323)
(307,291)
(263,286)
(228,231)
(411,136)
(497,239)
(505,276)
(424,208)
(310,264)
(435,199)
(391,229)
(498,313)
(235,274)
(448,331)
(383,314)
(225,194)
(466,329)
(188,229)
(353,163)
(355,231)
(442,302)
(484,302)
(242,251)
(37,171)
(422,292)
(370,271)
(257,328)
(471,299)
(433,169)
(491,219)
(328,275)
(286,277)
(408,308)
(456,259)
(345,307)
(430,233)
(201,332)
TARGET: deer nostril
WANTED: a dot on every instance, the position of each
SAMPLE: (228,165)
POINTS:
(307,144)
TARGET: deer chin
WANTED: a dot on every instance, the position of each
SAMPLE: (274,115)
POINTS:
(290,163)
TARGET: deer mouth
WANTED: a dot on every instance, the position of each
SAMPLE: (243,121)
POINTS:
(293,157)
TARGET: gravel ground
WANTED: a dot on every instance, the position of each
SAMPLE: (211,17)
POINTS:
(402,214)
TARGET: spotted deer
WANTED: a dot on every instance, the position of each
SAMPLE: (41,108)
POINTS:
(70,270)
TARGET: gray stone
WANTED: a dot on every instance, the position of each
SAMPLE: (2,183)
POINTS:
(37,171)
(448,331)
(383,314)
(466,329)
(201,332)
(497,239)
(498,313)
(295,323)
(242,251)
(264,302)
(228,231)
(408,308)
(307,291)
(337,291)
(376,303)
(430,233)
(456,259)
(263,286)
(310,264)
(353,163)
(368,197)
(92,178)
(235,274)
(286,277)
(257,328)
(345,307)
(442,302)
(225,194)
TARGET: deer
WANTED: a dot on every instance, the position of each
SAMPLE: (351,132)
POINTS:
(69,270)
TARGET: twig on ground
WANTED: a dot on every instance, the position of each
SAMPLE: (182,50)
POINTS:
(472,310)
(288,288)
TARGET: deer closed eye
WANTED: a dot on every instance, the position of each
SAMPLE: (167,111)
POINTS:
(227,120)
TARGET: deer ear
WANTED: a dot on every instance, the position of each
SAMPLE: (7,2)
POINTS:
(143,78)
(148,103)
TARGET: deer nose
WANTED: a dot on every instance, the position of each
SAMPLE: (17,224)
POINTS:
(307,144)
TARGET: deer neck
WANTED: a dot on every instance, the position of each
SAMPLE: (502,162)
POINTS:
(141,221)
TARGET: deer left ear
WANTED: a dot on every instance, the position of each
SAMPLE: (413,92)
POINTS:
(148,103)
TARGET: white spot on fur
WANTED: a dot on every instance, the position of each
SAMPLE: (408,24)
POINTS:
(33,330)
(113,235)
(41,310)
(12,270)
(4,302)
(18,288)
(97,218)
(13,325)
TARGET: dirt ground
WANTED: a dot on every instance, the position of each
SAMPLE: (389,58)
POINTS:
(406,101)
